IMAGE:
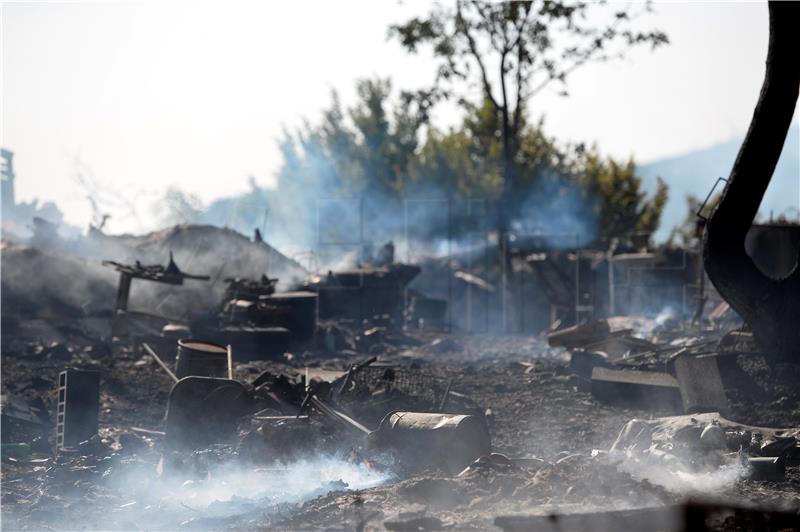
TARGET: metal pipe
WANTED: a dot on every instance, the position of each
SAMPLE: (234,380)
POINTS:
(230,362)
(160,362)
(338,416)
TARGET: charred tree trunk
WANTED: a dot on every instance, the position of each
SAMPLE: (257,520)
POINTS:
(770,306)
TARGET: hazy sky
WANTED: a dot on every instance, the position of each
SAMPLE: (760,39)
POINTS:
(143,95)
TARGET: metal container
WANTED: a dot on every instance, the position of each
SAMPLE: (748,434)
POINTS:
(297,311)
(202,411)
(199,358)
(423,440)
(767,468)
(78,406)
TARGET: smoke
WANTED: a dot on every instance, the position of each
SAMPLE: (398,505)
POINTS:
(677,476)
(427,221)
(314,208)
(64,278)
(666,314)
(45,284)
(559,215)
(228,491)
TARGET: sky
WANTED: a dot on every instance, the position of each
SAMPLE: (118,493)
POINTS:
(138,96)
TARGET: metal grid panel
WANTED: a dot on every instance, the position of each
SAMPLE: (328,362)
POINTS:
(406,381)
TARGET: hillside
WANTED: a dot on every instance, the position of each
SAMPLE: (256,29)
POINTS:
(695,173)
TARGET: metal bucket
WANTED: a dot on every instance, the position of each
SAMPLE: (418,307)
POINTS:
(202,359)
(202,411)
(442,440)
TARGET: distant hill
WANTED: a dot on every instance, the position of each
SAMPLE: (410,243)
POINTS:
(695,173)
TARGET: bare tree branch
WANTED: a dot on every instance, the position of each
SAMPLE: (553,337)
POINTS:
(473,47)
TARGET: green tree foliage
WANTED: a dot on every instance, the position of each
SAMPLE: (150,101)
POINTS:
(514,50)
(364,151)
(367,148)
(469,158)
(382,148)
(509,52)
(614,194)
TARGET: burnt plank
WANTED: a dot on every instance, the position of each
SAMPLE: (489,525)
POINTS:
(579,335)
(654,518)
(700,384)
(637,389)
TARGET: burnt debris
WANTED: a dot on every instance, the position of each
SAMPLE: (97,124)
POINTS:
(360,370)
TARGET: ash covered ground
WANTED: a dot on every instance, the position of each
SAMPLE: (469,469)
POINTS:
(276,467)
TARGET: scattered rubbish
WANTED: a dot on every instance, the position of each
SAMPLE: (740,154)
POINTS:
(204,411)
(362,293)
(639,389)
(690,515)
(160,362)
(620,344)
(713,437)
(253,308)
(422,523)
(348,377)
(15,450)
(252,342)
(441,345)
(581,365)
(495,461)
(778,446)
(424,439)
(700,384)
(654,518)
(474,280)
(767,468)
(579,335)
(738,341)
(376,365)
(296,311)
(426,312)
(170,274)
(337,416)
(78,407)
(21,421)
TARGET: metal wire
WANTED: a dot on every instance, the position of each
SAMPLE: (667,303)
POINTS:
(405,381)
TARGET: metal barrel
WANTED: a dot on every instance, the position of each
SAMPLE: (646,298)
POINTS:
(422,439)
(201,359)
(767,468)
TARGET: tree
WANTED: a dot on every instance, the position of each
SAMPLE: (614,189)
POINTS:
(380,150)
(770,306)
(560,188)
(365,151)
(470,156)
(620,207)
(514,50)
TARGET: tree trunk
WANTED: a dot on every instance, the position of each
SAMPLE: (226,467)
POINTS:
(771,307)
(505,213)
